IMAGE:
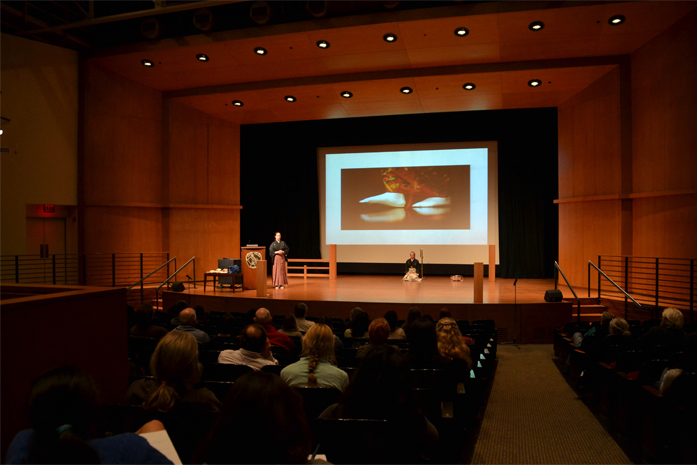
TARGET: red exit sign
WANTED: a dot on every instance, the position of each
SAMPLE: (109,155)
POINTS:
(49,208)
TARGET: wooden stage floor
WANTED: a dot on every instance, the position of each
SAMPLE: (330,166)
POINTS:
(520,312)
(432,290)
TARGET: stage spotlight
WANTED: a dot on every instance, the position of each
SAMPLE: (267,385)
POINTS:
(469,86)
(461,31)
(147,63)
(322,44)
(389,37)
(536,26)
(346,94)
(290,98)
(406,90)
(616,20)
(260,51)
(202,57)
(534,83)
(238,103)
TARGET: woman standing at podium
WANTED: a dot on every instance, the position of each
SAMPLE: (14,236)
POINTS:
(278,251)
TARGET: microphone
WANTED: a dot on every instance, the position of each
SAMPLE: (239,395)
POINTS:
(190,278)
(515,282)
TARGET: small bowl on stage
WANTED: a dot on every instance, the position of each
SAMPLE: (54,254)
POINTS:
(456,277)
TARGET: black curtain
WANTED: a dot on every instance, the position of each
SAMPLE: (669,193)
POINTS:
(279,179)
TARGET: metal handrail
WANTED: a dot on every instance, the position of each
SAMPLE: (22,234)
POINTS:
(602,273)
(153,272)
(557,269)
(157,291)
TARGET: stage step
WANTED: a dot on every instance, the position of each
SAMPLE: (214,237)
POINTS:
(584,300)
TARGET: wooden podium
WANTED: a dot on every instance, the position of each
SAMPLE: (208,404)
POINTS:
(250,255)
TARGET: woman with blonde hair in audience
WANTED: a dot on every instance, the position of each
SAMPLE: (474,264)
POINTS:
(450,343)
(668,337)
(316,365)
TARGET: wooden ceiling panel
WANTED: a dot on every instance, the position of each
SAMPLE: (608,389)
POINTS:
(161,82)
(544,49)
(272,70)
(364,62)
(436,33)
(529,100)
(454,55)
(374,91)
(358,39)
(645,17)
(306,96)
(210,77)
(559,23)
(553,80)
(249,117)
(282,47)
(383,108)
(462,103)
(451,85)
(217,103)
(311,112)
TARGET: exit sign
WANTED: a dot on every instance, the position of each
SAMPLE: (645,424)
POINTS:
(49,208)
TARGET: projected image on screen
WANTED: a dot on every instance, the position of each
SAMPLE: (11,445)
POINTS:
(406,198)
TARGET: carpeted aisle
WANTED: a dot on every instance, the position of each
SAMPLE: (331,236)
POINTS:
(533,416)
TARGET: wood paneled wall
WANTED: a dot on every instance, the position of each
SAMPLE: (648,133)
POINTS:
(664,98)
(627,164)
(156,175)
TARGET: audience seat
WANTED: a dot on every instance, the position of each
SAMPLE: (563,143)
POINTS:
(224,371)
(317,399)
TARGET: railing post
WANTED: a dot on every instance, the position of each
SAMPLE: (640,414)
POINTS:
(113,269)
(556,278)
(141,277)
(17,269)
(53,266)
(589,280)
(84,269)
(656,305)
(692,288)
(600,267)
(626,284)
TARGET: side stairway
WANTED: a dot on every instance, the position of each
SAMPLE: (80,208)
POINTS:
(591,308)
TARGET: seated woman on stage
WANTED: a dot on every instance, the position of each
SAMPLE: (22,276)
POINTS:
(412,269)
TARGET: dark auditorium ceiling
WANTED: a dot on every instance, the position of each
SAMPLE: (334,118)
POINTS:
(500,53)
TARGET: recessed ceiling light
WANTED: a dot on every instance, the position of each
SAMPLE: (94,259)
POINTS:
(290,98)
(534,83)
(468,86)
(260,51)
(389,37)
(238,103)
(461,31)
(616,20)
(536,26)
(323,44)
(406,90)
(147,63)
(346,94)
(202,57)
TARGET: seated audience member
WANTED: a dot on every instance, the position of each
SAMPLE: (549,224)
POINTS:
(352,316)
(450,343)
(316,365)
(338,343)
(263,318)
(395,332)
(687,364)
(359,326)
(444,313)
(227,333)
(595,333)
(62,408)
(290,327)
(607,349)
(187,320)
(144,326)
(423,346)
(201,315)
(378,331)
(668,335)
(300,312)
(262,421)
(173,313)
(380,389)
(255,351)
(176,369)
(412,315)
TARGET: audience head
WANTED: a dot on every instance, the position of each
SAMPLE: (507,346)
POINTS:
(262,421)
(187,316)
(359,325)
(619,327)
(391,317)
(200,312)
(325,320)
(672,318)
(300,310)
(450,343)
(423,343)
(318,344)
(606,318)
(354,311)
(444,313)
(228,324)
(253,338)
(290,324)
(412,315)
(175,365)
(62,397)
(144,314)
(262,316)
(378,331)
(177,308)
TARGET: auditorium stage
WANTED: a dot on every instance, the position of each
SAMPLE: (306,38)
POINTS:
(520,311)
